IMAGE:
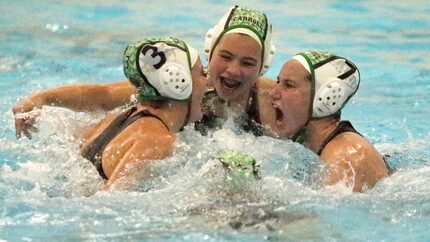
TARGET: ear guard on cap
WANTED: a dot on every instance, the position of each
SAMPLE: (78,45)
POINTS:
(330,98)
(268,59)
(209,40)
(174,81)
(332,91)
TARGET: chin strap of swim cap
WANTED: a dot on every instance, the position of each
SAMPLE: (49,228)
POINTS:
(160,68)
(334,81)
(247,21)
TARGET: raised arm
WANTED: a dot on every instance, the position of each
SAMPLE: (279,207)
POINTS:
(77,97)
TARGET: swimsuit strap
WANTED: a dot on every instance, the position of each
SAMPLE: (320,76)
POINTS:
(253,122)
(344,126)
(252,106)
(93,151)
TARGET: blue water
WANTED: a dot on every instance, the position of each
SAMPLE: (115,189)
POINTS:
(49,193)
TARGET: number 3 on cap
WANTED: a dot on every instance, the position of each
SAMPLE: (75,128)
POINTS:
(154,54)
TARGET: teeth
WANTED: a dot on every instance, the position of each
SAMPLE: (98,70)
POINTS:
(230,83)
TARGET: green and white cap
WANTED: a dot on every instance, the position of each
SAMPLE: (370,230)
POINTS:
(239,164)
(160,68)
(246,21)
(334,81)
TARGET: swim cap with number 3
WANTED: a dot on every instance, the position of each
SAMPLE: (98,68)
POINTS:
(160,68)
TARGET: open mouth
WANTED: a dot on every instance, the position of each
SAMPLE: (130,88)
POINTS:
(279,115)
(230,84)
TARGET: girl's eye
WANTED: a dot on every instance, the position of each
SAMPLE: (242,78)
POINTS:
(227,57)
(285,83)
(288,84)
(249,64)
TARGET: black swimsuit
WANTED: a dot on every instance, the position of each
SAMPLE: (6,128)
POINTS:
(344,126)
(250,122)
(253,122)
(93,152)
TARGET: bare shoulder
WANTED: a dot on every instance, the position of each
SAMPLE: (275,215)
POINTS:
(148,133)
(352,152)
(265,83)
(263,87)
(350,147)
(148,126)
(266,111)
(144,140)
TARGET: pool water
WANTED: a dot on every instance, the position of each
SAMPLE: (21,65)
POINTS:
(49,193)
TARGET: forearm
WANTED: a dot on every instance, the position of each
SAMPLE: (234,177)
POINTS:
(79,97)
(27,104)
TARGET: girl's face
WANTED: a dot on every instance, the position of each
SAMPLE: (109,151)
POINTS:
(234,66)
(291,98)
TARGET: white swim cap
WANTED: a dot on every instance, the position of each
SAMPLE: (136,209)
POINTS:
(160,68)
(334,81)
(246,21)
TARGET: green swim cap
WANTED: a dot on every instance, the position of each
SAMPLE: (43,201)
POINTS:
(160,68)
(246,21)
(238,164)
(334,81)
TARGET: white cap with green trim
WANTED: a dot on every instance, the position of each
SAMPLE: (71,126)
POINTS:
(334,81)
(160,68)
